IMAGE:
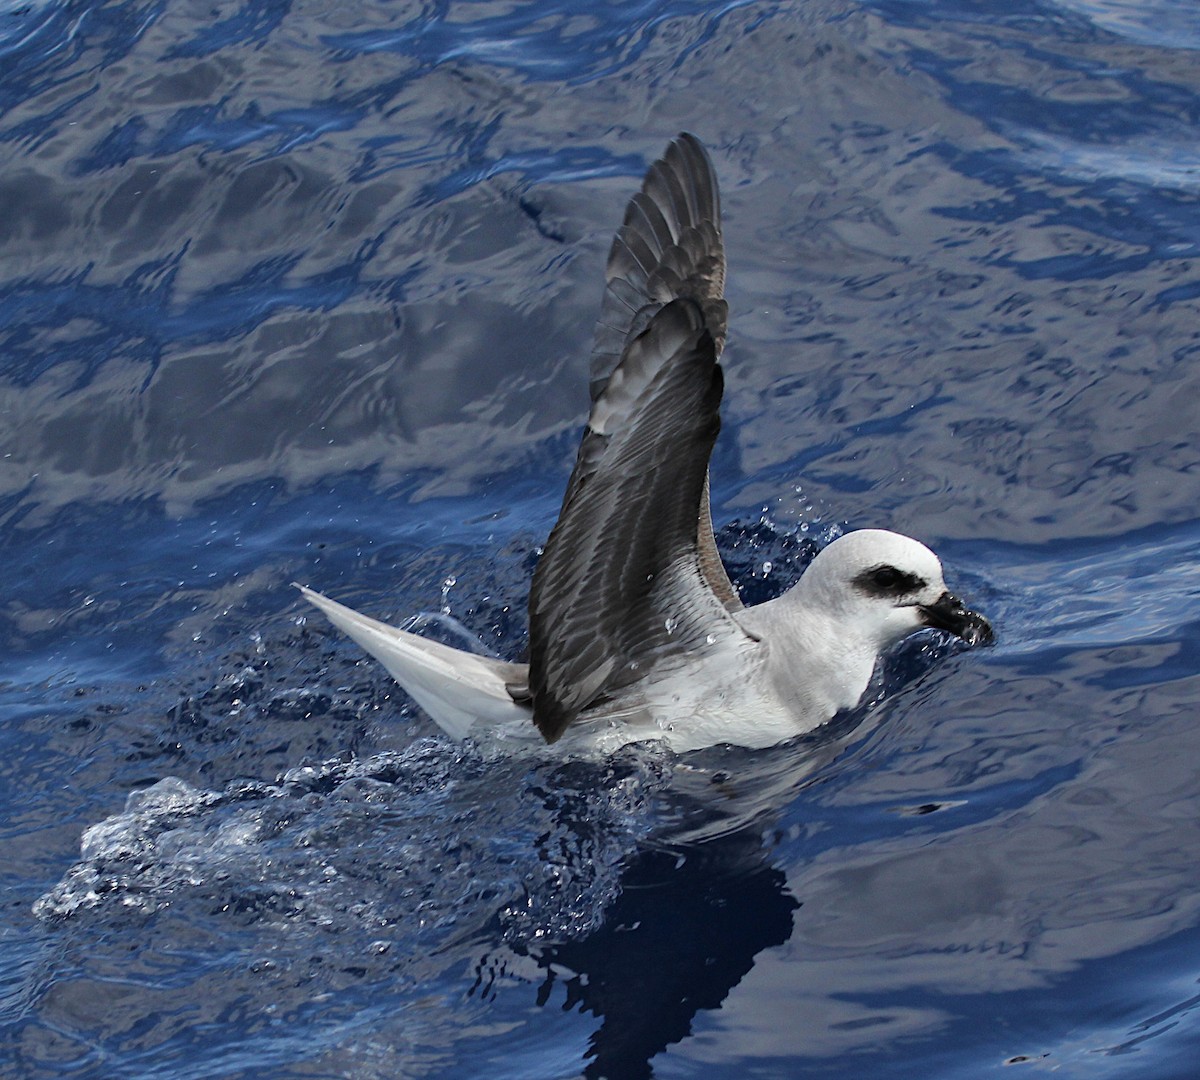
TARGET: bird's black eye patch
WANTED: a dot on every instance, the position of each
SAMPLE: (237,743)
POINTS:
(887,580)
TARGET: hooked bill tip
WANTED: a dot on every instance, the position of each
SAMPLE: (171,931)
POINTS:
(949,613)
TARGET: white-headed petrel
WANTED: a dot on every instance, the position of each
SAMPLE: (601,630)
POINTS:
(635,631)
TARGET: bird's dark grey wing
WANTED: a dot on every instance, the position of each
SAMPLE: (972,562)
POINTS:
(619,585)
(668,248)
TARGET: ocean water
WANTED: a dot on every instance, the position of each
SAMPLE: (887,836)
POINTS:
(295,291)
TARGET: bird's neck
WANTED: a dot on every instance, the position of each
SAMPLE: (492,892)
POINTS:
(811,652)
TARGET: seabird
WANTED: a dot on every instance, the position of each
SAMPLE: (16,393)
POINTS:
(635,631)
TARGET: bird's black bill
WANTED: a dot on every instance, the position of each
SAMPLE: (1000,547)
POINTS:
(950,614)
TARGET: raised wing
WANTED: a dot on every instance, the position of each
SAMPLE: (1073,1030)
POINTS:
(620,585)
(668,248)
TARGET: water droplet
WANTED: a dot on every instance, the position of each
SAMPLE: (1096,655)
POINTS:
(447,585)
(671,624)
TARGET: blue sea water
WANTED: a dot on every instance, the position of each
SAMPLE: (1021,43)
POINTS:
(295,291)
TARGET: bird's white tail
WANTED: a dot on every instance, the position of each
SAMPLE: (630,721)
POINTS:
(455,688)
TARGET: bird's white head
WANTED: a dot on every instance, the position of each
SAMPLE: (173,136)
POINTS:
(888,586)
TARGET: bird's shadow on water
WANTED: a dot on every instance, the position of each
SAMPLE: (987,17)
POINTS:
(698,899)
(684,930)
